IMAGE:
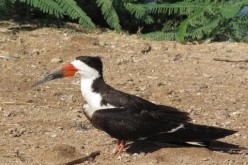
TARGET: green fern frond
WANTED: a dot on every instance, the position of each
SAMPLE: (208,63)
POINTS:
(4,4)
(109,13)
(159,35)
(148,19)
(140,12)
(182,29)
(239,30)
(46,6)
(243,17)
(165,8)
(198,32)
(71,9)
(230,9)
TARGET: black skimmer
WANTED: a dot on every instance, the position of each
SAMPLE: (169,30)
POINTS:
(127,117)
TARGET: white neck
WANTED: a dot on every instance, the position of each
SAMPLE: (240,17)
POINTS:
(92,98)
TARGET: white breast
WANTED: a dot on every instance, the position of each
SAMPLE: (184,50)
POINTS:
(92,98)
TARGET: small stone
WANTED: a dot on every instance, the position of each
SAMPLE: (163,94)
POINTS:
(146,48)
(143,88)
(123,61)
(16,131)
(206,159)
(177,57)
(101,43)
(135,154)
(9,114)
(30,101)
(94,42)
(81,127)
(53,135)
(160,84)
(56,60)
(237,113)
(61,128)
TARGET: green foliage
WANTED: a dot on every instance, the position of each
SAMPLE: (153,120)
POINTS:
(70,8)
(45,6)
(159,35)
(109,13)
(4,5)
(140,12)
(180,20)
(61,8)
(199,20)
(230,9)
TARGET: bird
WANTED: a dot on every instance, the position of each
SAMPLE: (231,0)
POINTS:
(127,117)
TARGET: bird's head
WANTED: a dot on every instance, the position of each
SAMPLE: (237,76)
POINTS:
(86,66)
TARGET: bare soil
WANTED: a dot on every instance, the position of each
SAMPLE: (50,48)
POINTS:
(45,124)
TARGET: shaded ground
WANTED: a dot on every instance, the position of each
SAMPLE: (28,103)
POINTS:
(45,125)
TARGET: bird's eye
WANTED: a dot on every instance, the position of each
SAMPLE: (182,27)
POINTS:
(89,62)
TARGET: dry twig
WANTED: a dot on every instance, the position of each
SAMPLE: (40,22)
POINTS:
(227,60)
(20,156)
(83,159)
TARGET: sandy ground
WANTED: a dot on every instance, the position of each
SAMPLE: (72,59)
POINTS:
(45,124)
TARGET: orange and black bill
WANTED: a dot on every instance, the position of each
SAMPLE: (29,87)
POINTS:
(65,71)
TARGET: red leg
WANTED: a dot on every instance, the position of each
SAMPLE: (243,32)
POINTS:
(116,149)
(118,143)
(121,146)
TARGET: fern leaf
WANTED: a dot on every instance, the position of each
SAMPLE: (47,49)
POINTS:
(229,10)
(205,29)
(4,5)
(138,10)
(71,8)
(109,13)
(182,29)
(159,35)
(46,6)
(243,17)
(165,8)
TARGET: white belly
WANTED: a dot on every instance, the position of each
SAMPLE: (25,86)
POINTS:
(92,98)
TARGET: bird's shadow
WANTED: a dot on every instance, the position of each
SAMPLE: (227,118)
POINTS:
(149,147)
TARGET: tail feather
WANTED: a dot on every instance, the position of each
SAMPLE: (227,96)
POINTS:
(194,133)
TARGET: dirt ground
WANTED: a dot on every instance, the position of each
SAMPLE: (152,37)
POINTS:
(45,124)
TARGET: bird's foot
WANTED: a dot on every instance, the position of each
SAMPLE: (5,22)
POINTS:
(117,151)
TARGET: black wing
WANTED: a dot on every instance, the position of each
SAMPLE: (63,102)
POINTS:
(124,100)
(159,125)
(128,124)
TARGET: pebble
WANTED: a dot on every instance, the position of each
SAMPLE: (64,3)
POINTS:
(235,113)
(237,134)
(101,43)
(53,135)
(95,42)
(82,127)
(146,48)
(56,60)
(9,114)
(16,132)
(123,61)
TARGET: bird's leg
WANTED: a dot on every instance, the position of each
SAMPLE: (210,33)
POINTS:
(116,148)
(121,145)
(119,148)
